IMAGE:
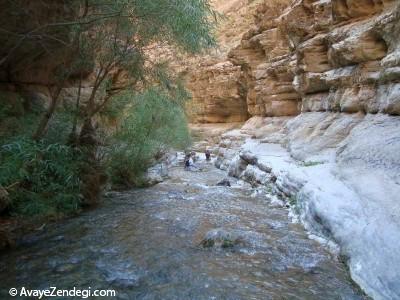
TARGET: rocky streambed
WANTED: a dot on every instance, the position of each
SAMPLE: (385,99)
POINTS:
(185,238)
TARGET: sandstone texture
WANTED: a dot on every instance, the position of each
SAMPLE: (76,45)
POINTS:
(321,83)
(216,84)
(305,56)
(218,95)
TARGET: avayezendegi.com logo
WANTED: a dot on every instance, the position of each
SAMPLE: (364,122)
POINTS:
(55,292)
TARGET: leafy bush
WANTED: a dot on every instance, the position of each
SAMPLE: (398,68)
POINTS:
(59,128)
(153,124)
(43,178)
(15,119)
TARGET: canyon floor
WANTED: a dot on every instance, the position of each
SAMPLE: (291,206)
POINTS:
(185,238)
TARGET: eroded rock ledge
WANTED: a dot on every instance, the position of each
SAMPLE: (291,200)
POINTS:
(321,84)
(305,56)
(341,175)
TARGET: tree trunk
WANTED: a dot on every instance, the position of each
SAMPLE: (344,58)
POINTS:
(73,135)
(44,122)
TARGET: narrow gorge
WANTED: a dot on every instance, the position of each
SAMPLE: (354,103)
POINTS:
(110,109)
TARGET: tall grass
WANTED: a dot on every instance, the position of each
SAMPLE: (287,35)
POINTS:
(43,179)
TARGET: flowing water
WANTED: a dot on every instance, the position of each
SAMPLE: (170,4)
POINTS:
(183,239)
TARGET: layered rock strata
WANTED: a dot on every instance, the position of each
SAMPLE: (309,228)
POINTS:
(220,95)
(340,56)
(321,82)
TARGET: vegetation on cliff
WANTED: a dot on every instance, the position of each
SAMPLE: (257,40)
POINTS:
(55,155)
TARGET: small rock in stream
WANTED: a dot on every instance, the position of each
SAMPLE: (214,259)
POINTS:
(249,157)
(221,239)
(224,182)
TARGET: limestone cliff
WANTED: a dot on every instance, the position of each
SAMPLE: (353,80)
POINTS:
(302,56)
(321,84)
(219,94)
(217,86)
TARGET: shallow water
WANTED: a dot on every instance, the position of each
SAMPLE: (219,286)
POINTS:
(183,239)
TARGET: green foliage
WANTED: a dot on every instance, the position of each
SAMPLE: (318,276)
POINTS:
(11,104)
(226,243)
(59,128)
(43,178)
(184,23)
(113,38)
(116,107)
(118,33)
(153,124)
(11,109)
(13,128)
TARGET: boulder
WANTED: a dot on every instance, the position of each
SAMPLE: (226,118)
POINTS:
(224,182)
(248,157)
(155,175)
(220,238)
(264,167)
(236,167)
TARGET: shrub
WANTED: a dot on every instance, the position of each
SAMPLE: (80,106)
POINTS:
(154,124)
(43,178)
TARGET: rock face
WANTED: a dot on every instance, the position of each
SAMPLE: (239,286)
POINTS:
(341,174)
(35,62)
(218,95)
(305,56)
(268,65)
(321,83)
(33,53)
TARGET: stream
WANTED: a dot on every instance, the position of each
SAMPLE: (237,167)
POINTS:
(185,238)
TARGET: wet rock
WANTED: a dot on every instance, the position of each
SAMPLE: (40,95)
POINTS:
(264,167)
(224,182)
(65,268)
(219,238)
(120,273)
(236,167)
(155,175)
(249,157)
(255,176)
(276,202)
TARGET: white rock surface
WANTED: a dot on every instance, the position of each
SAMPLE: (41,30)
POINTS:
(343,171)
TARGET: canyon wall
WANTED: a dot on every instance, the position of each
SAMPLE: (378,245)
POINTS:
(218,94)
(320,81)
(34,55)
(217,85)
(303,56)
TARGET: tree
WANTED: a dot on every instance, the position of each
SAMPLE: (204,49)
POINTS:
(121,32)
(106,43)
(117,32)
(34,36)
